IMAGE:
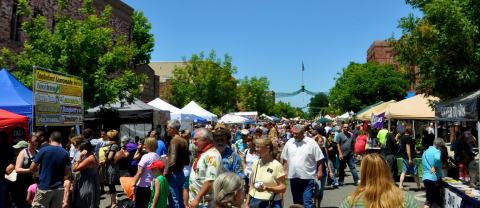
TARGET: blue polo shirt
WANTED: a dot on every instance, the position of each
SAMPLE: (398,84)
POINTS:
(431,158)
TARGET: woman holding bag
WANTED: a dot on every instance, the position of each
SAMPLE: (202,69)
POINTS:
(267,180)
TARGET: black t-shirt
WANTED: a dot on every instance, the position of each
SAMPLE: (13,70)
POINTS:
(332,150)
(407,139)
(391,146)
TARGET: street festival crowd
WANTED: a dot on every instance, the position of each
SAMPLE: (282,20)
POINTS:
(223,166)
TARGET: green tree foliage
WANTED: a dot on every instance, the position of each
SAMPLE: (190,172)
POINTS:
(444,44)
(254,95)
(282,109)
(142,38)
(318,104)
(82,47)
(363,84)
(207,80)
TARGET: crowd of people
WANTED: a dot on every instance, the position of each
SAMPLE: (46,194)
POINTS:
(220,166)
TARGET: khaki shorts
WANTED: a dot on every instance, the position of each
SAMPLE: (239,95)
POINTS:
(48,198)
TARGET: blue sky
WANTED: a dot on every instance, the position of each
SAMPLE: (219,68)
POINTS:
(272,37)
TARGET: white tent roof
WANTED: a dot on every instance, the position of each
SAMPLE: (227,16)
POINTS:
(232,119)
(197,110)
(344,116)
(175,113)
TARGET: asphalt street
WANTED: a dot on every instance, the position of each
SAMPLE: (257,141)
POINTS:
(332,197)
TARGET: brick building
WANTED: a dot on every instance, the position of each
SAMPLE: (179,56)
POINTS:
(164,71)
(10,32)
(12,38)
(383,53)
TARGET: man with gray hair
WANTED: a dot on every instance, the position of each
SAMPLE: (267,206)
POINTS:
(177,159)
(205,170)
(432,174)
(303,158)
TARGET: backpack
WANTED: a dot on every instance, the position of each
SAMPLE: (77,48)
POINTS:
(102,153)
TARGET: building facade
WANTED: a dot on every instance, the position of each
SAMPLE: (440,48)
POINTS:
(164,71)
(12,38)
(384,53)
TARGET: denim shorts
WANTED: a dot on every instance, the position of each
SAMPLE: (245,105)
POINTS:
(409,169)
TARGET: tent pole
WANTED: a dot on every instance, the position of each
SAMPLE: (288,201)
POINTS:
(436,128)
(478,141)
(413,128)
(389,124)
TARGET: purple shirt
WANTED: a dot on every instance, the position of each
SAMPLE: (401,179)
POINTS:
(147,177)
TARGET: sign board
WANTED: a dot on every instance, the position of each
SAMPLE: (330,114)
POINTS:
(58,98)
(452,200)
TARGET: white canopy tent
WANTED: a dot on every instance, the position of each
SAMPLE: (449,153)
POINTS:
(232,119)
(344,116)
(186,119)
(194,108)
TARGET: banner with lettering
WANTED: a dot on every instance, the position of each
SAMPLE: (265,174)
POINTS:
(452,200)
(377,120)
(58,98)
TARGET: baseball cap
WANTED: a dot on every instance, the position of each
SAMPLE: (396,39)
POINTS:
(245,132)
(158,164)
(20,145)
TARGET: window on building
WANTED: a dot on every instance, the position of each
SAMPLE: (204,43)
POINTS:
(15,24)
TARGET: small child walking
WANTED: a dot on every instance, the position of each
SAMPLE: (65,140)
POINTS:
(158,198)
(32,189)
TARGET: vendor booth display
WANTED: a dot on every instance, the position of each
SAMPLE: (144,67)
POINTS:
(15,97)
(15,125)
(462,109)
(134,119)
(193,108)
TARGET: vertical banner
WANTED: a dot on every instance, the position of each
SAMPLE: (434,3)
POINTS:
(377,120)
(58,98)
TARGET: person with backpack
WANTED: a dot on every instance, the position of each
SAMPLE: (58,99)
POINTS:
(22,167)
(111,166)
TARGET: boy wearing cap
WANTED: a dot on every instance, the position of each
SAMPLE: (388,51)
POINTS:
(158,198)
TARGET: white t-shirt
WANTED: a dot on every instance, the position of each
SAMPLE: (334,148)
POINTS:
(302,158)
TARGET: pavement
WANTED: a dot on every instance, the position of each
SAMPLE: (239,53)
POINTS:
(332,197)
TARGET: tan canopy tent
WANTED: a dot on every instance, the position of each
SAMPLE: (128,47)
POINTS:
(416,107)
(367,115)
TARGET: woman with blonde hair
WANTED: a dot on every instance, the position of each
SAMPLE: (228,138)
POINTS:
(228,190)
(267,180)
(144,177)
(377,188)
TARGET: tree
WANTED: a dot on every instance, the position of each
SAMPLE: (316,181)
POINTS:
(142,38)
(318,104)
(444,44)
(254,95)
(82,47)
(363,84)
(282,109)
(207,80)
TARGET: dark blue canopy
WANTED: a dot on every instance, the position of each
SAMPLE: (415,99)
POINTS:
(14,96)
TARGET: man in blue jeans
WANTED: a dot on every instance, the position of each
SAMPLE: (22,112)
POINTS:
(345,142)
(303,158)
(177,159)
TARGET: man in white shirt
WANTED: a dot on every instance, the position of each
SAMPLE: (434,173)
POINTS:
(302,157)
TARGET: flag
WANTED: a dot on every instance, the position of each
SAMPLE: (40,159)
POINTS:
(303,67)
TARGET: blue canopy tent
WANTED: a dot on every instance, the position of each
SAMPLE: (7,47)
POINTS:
(14,96)
(198,119)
